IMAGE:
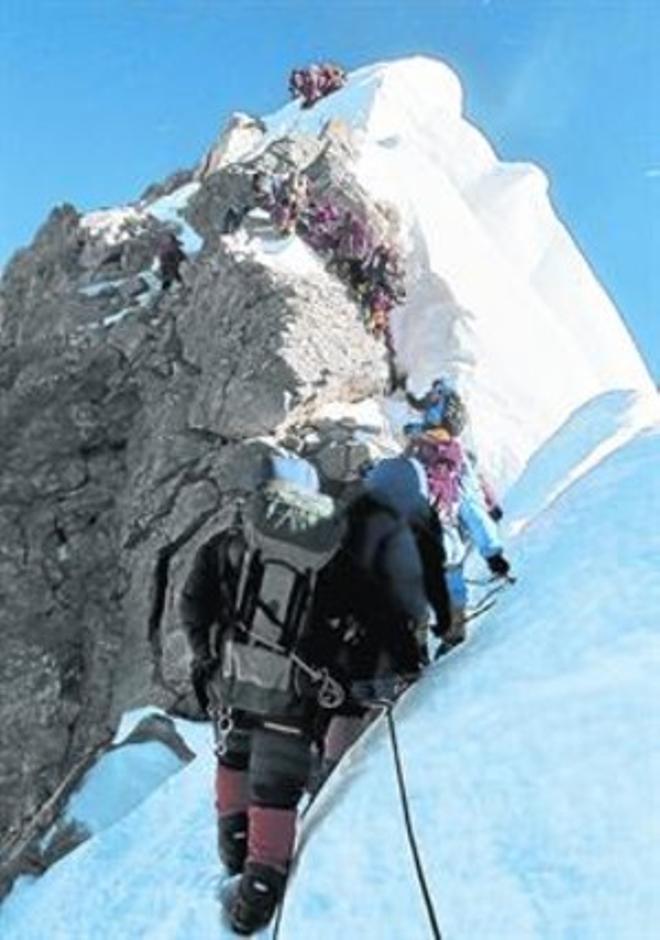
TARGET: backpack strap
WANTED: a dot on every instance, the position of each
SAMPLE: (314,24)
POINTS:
(249,585)
(298,607)
(249,600)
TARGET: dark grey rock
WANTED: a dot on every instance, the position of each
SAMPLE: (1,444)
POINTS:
(124,448)
(238,137)
(174,181)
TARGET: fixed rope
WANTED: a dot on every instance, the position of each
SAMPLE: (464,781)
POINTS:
(499,584)
(410,832)
(387,706)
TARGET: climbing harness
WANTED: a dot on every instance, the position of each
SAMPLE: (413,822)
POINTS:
(223,724)
(330,693)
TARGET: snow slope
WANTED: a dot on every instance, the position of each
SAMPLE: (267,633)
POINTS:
(530,754)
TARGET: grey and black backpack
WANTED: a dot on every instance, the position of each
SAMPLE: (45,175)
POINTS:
(288,532)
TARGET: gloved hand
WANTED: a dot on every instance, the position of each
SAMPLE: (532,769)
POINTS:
(496,513)
(498,565)
(201,670)
(421,632)
(381,688)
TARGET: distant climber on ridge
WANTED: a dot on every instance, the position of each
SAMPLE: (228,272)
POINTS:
(290,200)
(456,494)
(170,256)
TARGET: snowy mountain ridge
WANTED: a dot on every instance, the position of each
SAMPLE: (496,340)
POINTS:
(499,295)
(531,752)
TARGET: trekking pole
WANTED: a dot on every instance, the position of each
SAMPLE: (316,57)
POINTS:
(482,606)
(499,583)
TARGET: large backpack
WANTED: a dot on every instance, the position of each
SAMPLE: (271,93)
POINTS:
(288,534)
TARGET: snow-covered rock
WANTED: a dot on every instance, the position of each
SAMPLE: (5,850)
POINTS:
(500,297)
(240,135)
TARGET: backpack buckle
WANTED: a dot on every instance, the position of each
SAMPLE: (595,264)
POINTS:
(223,725)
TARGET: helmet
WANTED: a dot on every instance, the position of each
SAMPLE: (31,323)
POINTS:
(291,469)
(445,408)
(454,417)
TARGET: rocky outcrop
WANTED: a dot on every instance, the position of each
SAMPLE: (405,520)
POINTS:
(130,423)
(326,161)
(169,185)
(240,135)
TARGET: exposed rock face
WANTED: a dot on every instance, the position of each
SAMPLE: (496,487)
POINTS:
(169,185)
(129,423)
(241,134)
(324,159)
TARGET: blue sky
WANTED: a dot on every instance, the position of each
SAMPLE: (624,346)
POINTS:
(98,98)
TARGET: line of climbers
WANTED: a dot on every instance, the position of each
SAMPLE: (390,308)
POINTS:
(370,267)
(300,612)
(315,82)
(463,499)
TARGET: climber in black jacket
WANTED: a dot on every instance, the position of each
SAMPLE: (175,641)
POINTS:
(368,624)
(377,598)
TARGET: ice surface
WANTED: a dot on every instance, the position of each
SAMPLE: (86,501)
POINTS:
(168,209)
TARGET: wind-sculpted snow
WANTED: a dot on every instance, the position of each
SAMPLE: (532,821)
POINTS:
(593,431)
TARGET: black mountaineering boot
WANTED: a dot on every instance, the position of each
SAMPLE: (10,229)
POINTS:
(232,841)
(259,892)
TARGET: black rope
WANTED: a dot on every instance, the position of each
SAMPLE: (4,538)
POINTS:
(405,805)
(499,583)
(387,706)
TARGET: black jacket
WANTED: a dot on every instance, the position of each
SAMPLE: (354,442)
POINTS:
(367,600)
(375,591)
(209,594)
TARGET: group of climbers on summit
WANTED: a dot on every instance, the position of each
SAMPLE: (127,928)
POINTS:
(315,82)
